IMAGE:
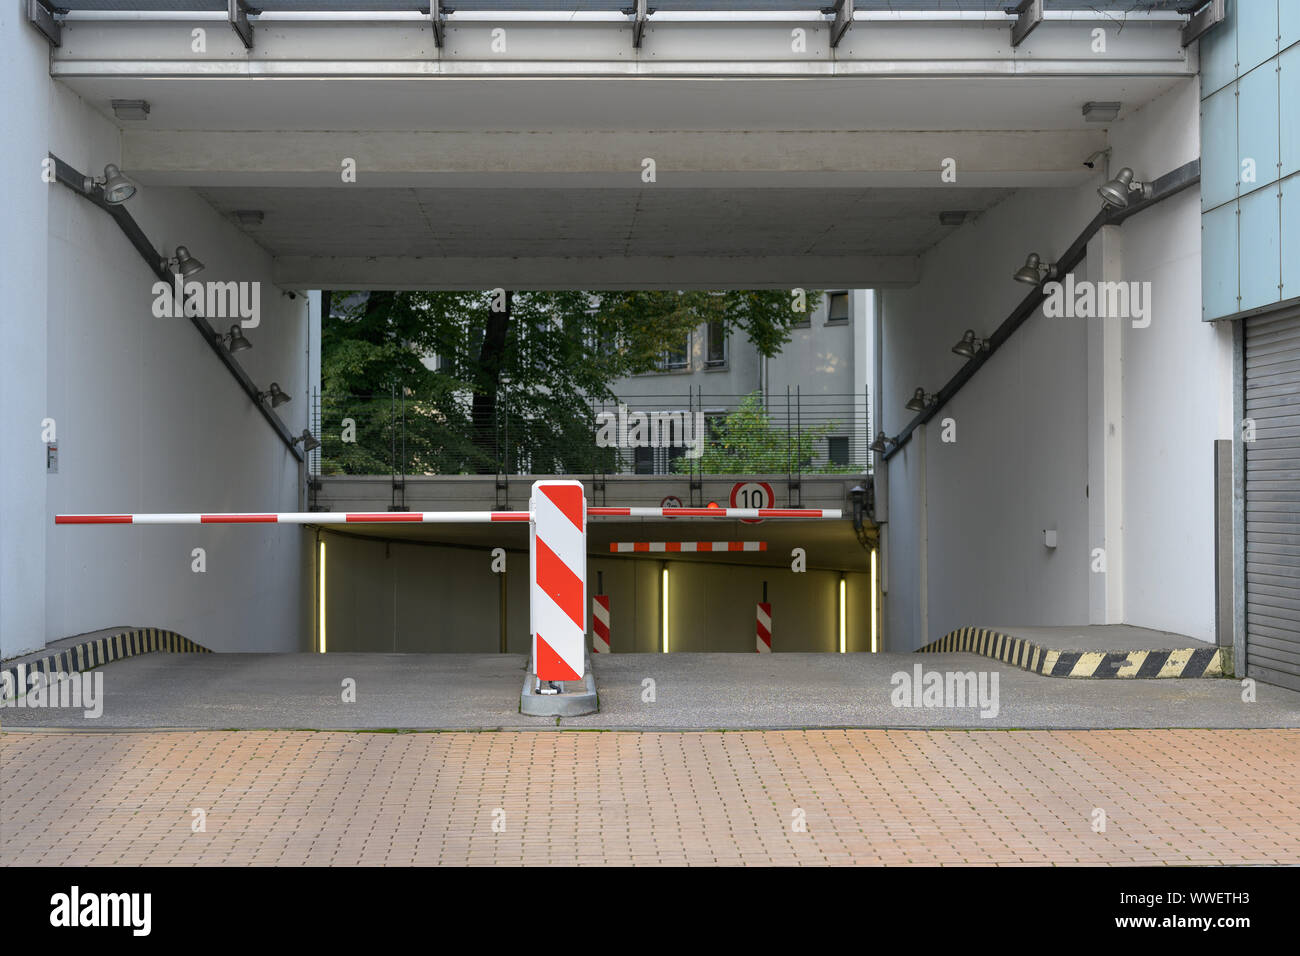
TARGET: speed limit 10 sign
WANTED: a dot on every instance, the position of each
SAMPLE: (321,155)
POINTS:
(752,494)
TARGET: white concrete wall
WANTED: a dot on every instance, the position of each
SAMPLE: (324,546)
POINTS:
(148,417)
(966,519)
(1177,396)
(24,117)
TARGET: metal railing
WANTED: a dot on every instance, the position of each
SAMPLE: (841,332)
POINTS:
(692,433)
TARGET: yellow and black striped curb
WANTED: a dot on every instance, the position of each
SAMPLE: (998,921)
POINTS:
(1025,654)
(102,650)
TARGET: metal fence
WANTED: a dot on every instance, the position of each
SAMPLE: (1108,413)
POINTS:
(685,433)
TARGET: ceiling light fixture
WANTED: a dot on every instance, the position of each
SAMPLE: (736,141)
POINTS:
(1094,112)
(131,109)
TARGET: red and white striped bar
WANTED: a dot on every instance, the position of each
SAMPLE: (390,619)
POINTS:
(600,624)
(434,517)
(713,512)
(684,547)
(304,517)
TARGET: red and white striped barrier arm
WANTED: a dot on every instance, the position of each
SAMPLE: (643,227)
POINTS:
(685,547)
(600,624)
(433,517)
(713,512)
(303,517)
(764,625)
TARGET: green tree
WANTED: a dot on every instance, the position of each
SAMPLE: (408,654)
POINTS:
(518,371)
(746,442)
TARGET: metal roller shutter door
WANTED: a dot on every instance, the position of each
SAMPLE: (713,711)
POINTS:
(1272,461)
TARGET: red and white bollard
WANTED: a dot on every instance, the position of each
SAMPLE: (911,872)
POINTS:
(600,624)
(764,624)
(558,559)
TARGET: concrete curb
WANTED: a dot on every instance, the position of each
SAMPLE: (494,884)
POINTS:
(1144,664)
(576,704)
(98,651)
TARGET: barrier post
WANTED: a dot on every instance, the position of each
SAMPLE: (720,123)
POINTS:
(600,624)
(558,597)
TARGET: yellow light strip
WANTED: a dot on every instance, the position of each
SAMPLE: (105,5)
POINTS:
(665,607)
(321,589)
(873,600)
(842,612)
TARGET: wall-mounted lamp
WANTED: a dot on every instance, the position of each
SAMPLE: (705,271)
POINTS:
(1118,191)
(858,494)
(278,397)
(970,346)
(308,442)
(919,401)
(117,188)
(233,340)
(1034,270)
(183,262)
(882,443)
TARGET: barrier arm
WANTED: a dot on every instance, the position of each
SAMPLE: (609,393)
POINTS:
(557,515)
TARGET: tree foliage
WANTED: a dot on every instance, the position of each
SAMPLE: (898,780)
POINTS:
(747,442)
(517,372)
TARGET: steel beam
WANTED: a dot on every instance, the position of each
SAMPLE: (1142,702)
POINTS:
(1029,14)
(641,13)
(1185,176)
(85,187)
(42,18)
(438,19)
(237,13)
(843,11)
(1201,21)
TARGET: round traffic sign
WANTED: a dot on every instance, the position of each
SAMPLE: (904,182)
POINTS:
(752,494)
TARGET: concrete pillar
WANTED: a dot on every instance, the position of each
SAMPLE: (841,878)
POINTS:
(24,290)
(1105,438)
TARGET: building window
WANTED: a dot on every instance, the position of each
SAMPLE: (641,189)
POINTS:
(643,459)
(837,449)
(717,342)
(837,310)
(677,358)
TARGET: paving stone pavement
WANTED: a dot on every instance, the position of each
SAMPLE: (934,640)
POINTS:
(864,797)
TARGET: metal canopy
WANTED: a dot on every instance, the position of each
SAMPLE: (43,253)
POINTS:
(994,7)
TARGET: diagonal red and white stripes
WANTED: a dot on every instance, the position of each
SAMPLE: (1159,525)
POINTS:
(683,547)
(764,623)
(558,605)
(600,624)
